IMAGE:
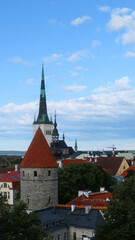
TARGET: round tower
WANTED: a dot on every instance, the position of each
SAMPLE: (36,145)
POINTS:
(39,178)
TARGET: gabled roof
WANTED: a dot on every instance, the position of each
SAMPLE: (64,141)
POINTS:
(39,154)
(111,164)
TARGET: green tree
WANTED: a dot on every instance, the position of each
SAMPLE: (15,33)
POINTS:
(130,173)
(120,214)
(16,223)
(81,176)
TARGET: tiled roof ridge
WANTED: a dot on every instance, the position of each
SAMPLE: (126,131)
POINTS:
(78,207)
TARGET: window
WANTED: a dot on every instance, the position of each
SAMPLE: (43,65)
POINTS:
(49,172)
(8,195)
(35,173)
(28,200)
(65,236)
(5,185)
(23,173)
(5,194)
(74,236)
(49,200)
(58,236)
(48,132)
(123,167)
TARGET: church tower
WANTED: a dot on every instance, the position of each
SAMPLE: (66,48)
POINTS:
(42,120)
(39,177)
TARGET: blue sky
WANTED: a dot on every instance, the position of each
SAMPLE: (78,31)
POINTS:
(88,50)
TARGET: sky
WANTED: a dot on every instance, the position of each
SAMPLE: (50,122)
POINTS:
(88,51)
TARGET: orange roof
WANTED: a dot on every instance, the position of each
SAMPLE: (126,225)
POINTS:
(94,199)
(124,174)
(78,207)
(39,154)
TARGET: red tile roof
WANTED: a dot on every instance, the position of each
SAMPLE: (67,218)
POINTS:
(78,207)
(39,154)
(12,177)
(66,162)
(94,199)
(124,174)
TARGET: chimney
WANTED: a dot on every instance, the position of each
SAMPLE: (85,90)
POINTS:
(102,189)
(16,167)
(72,208)
(87,209)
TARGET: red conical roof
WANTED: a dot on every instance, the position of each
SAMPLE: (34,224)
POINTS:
(39,153)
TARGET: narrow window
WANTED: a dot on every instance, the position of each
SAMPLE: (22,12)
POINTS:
(65,236)
(5,185)
(49,200)
(28,200)
(58,236)
(8,195)
(49,172)
(23,173)
(74,236)
(35,173)
(5,194)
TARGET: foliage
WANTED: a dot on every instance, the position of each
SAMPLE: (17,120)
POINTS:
(120,214)
(81,176)
(16,223)
(130,173)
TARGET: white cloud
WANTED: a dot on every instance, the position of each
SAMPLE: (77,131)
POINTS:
(123,19)
(104,9)
(30,81)
(19,60)
(53,57)
(77,56)
(73,74)
(74,88)
(130,55)
(80,20)
(96,43)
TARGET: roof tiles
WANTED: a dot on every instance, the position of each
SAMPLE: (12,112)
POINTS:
(39,154)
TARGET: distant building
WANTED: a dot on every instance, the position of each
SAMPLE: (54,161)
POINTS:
(39,177)
(43,121)
(59,147)
(8,185)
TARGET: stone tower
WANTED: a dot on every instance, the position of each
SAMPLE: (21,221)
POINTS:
(39,178)
(42,120)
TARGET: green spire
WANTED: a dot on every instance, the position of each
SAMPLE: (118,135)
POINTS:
(42,72)
(76,147)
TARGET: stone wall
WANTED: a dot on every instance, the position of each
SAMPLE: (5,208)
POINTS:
(39,187)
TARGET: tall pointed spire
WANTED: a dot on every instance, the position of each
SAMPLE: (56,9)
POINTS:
(55,134)
(76,147)
(42,116)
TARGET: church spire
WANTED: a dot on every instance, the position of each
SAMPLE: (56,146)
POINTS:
(42,116)
(76,147)
(55,134)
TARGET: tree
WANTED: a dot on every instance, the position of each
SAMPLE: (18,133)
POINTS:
(120,214)
(81,176)
(16,223)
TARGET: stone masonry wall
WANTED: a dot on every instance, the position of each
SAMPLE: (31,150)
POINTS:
(39,191)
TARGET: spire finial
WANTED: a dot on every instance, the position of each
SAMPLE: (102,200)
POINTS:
(76,147)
